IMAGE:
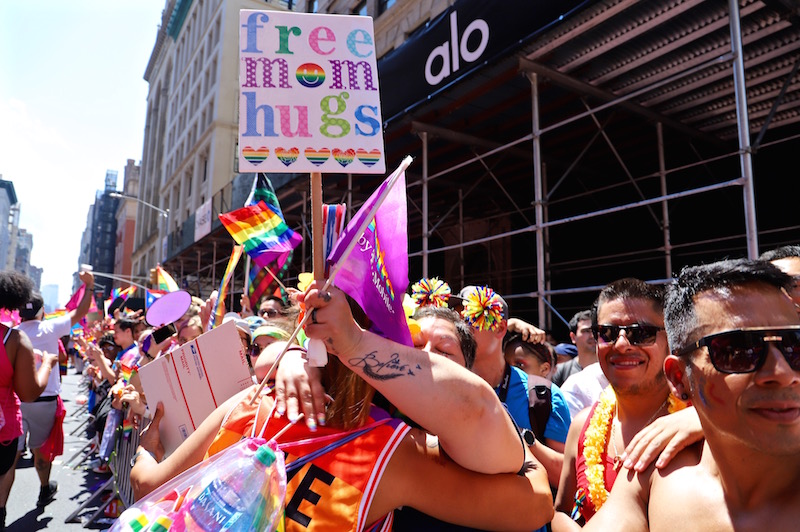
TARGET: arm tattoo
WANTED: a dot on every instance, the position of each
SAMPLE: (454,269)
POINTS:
(381,370)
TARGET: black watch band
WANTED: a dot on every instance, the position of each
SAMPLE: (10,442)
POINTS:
(529,437)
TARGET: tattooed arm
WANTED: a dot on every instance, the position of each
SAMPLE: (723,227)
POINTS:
(443,397)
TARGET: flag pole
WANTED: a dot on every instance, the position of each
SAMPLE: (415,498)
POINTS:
(317,353)
(247,276)
(316,226)
(336,267)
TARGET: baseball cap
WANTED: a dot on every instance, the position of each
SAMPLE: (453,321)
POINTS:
(240,323)
(30,309)
(568,350)
(255,322)
(471,289)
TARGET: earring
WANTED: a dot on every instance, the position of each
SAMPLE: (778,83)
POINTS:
(684,396)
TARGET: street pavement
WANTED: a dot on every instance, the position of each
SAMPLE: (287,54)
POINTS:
(75,486)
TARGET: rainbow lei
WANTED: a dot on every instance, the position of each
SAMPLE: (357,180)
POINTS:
(431,292)
(483,309)
(595,443)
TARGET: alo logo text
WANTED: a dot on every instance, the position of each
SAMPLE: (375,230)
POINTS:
(451,52)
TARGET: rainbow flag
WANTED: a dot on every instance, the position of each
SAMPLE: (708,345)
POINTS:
(262,280)
(125,372)
(216,316)
(124,293)
(264,234)
(265,279)
(56,314)
(165,280)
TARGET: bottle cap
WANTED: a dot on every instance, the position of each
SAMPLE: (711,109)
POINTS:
(265,455)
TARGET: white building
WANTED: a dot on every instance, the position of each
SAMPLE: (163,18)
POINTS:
(191,126)
(9,221)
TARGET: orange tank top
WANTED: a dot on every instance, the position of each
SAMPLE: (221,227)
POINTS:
(334,487)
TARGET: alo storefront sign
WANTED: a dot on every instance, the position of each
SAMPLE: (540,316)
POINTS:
(468,35)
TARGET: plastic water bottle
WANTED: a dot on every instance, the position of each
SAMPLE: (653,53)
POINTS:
(227,500)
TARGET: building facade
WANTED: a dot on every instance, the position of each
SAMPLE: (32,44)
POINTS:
(191,125)
(9,222)
(98,242)
(126,222)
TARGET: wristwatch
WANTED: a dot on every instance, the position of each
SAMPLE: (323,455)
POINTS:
(529,437)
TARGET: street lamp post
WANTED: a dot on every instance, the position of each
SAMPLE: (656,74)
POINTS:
(163,215)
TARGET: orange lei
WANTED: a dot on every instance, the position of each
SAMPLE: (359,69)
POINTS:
(596,440)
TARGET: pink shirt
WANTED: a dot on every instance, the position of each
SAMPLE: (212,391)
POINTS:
(10,415)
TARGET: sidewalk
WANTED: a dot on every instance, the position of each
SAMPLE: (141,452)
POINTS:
(74,486)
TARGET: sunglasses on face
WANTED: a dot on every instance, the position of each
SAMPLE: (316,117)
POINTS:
(254,350)
(269,313)
(745,350)
(636,334)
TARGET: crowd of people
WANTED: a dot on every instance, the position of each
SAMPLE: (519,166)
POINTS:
(669,404)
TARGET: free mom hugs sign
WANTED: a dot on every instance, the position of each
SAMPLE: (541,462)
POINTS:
(309,99)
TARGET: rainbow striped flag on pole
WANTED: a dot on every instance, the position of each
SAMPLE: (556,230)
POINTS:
(264,234)
(165,280)
(216,316)
(266,279)
(124,293)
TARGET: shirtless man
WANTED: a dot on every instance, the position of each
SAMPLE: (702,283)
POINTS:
(745,386)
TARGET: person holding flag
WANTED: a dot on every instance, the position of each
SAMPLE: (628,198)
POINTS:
(39,417)
(394,467)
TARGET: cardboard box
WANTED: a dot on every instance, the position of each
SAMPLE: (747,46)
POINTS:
(195,379)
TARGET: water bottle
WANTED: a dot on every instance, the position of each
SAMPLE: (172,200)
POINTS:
(226,501)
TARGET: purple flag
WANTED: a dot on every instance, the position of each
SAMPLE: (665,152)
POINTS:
(375,273)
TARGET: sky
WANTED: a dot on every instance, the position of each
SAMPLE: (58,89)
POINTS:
(72,105)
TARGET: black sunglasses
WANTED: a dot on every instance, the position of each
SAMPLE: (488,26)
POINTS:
(254,350)
(745,350)
(269,313)
(636,334)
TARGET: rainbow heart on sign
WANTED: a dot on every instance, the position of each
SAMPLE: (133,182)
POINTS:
(369,158)
(255,156)
(287,157)
(344,157)
(317,157)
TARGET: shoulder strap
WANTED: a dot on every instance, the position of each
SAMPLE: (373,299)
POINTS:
(340,440)
(540,404)
(502,391)
(7,335)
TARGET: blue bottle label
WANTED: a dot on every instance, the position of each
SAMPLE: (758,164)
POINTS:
(210,509)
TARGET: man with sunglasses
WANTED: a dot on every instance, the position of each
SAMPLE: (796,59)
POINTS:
(628,323)
(787,258)
(735,343)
